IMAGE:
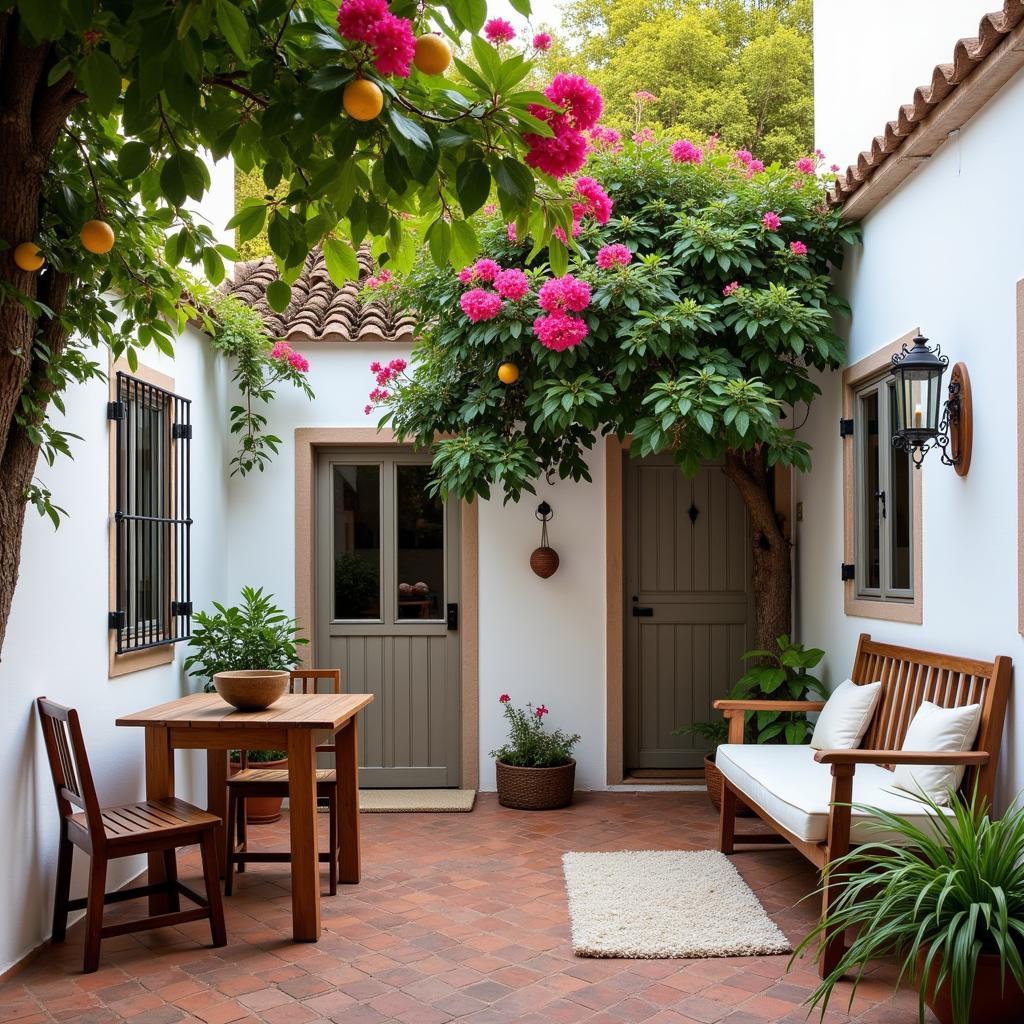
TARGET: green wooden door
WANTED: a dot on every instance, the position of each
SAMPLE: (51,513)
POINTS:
(688,605)
(387,574)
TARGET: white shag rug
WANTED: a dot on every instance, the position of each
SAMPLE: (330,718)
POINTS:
(662,904)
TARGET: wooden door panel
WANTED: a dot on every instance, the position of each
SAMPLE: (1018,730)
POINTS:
(687,561)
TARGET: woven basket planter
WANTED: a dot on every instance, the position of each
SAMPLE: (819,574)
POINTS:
(713,780)
(535,789)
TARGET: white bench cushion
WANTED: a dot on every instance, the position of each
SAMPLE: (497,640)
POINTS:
(787,783)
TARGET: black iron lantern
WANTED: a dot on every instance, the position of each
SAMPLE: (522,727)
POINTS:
(927,415)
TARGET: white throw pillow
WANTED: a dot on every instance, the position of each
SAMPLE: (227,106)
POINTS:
(846,715)
(937,729)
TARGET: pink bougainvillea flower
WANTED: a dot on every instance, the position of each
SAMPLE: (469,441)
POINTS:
(559,331)
(384,276)
(298,362)
(805,165)
(394,46)
(466,275)
(397,365)
(563,153)
(834,168)
(542,41)
(485,270)
(582,102)
(643,136)
(510,230)
(490,209)
(504,698)
(642,96)
(377,395)
(373,283)
(744,156)
(771,221)
(281,350)
(368,409)
(479,305)
(595,200)
(607,139)
(754,167)
(798,248)
(564,293)
(358,18)
(819,155)
(685,152)
(498,30)
(375,367)
(613,255)
(730,288)
(711,143)
(512,284)
(541,711)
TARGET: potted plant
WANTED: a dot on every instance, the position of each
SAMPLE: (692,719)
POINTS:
(535,768)
(778,675)
(256,637)
(946,903)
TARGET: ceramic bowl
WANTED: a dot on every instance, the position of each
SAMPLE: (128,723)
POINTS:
(251,689)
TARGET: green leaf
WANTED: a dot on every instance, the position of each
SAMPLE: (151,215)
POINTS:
(42,18)
(100,79)
(408,136)
(558,257)
(235,26)
(342,264)
(521,7)
(133,159)
(464,243)
(279,295)
(472,185)
(515,183)
(439,241)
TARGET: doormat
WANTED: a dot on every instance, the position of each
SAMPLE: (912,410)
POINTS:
(416,801)
(663,904)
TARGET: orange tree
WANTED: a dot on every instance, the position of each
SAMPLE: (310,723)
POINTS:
(694,318)
(108,109)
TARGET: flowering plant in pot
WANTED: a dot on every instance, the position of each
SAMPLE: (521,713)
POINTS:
(781,674)
(535,767)
(946,902)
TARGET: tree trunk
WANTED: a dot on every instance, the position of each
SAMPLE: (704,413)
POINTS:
(772,569)
(32,114)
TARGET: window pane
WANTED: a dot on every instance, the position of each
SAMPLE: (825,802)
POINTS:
(357,542)
(900,513)
(870,506)
(420,528)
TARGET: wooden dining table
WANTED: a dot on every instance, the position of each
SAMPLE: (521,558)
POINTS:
(297,723)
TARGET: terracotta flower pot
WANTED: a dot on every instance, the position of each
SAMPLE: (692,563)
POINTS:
(262,810)
(714,782)
(535,789)
(251,689)
(989,1005)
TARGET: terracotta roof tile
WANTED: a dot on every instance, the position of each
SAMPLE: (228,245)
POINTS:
(968,55)
(319,310)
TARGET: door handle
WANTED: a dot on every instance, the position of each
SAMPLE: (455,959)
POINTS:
(642,613)
(453,617)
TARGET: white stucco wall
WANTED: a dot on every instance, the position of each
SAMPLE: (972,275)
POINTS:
(870,56)
(943,253)
(56,642)
(540,640)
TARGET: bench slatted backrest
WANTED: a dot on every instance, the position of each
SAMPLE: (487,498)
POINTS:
(910,676)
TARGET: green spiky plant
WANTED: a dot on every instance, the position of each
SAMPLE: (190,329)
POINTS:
(935,903)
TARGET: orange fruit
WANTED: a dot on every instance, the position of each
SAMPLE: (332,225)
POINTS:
(97,236)
(28,256)
(362,100)
(508,373)
(433,54)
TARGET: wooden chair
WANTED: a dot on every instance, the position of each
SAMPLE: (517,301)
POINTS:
(908,677)
(273,782)
(123,831)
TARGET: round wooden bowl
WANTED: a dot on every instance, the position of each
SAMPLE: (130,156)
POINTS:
(251,689)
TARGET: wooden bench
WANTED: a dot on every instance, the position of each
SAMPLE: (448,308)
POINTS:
(908,677)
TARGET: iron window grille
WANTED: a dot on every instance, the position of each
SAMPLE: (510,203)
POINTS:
(152,516)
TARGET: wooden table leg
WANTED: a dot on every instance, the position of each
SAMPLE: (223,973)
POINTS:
(217,801)
(346,761)
(302,818)
(159,786)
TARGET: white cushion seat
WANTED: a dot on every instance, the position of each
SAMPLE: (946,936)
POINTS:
(795,790)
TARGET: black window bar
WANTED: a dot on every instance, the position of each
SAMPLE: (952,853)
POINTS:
(152,516)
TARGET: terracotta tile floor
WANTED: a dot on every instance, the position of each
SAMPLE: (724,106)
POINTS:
(458,917)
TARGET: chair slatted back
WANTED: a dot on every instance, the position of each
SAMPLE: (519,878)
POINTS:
(910,676)
(69,764)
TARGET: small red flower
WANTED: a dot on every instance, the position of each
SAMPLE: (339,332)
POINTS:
(541,711)
(504,698)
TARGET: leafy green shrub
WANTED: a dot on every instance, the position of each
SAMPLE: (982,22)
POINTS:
(936,902)
(257,635)
(529,744)
(356,585)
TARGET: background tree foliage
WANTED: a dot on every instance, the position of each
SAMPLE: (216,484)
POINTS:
(107,109)
(741,68)
(705,344)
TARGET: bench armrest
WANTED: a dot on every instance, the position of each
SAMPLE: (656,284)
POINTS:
(769,705)
(966,757)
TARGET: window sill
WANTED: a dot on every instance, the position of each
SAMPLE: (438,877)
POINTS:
(137,661)
(891,611)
